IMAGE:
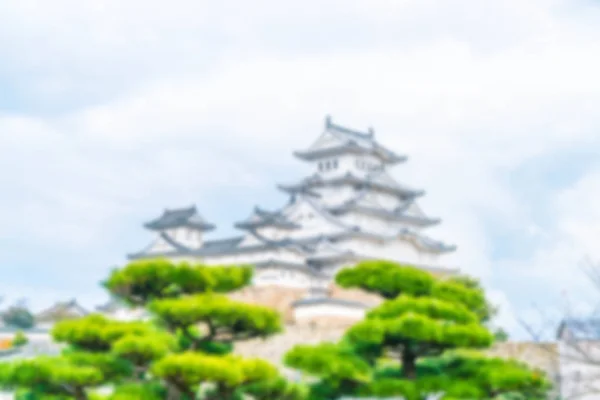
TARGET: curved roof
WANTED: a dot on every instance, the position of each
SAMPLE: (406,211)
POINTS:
(181,217)
(377,181)
(417,239)
(278,264)
(260,218)
(386,214)
(349,141)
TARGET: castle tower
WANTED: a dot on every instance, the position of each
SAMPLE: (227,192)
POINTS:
(349,209)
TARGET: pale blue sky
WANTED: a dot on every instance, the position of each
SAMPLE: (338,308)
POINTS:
(111,111)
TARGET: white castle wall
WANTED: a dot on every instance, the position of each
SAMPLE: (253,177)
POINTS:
(579,377)
(398,250)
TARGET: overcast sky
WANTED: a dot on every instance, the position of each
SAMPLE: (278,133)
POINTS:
(112,110)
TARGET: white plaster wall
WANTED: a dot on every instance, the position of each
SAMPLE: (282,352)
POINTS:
(396,250)
(328,310)
(249,240)
(334,196)
(159,246)
(255,257)
(372,224)
(578,376)
(312,222)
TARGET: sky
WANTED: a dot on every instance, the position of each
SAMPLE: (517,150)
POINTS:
(111,111)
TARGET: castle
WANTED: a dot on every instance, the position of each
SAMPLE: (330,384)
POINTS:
(349,209)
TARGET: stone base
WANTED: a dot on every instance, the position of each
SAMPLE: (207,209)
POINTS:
(277,297)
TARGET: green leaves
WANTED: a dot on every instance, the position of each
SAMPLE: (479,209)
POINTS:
(95,332)
(278,388)
(142,350)
(20,339)
(432,308)
(188,370)
(145,361)
(143,281)
(139,391)
(56,375)
(328,361)
(386,278)
(226,319)
(407,346)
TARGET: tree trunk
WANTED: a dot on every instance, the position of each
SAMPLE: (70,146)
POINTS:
(172,393)
(80,394)
(409,364)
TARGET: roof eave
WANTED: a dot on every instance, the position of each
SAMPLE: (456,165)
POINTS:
(249,225)
(158,227)
(295,189)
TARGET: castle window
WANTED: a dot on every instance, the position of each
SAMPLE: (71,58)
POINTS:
(328,165)
(335,163)
(320,166)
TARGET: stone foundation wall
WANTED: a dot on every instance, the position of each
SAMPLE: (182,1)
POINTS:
(538,355)
(355,295)
(276,297)
(274,348)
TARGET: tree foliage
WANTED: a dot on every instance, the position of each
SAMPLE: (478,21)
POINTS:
(423,338)
(182,350)
(20,339)
(18,316)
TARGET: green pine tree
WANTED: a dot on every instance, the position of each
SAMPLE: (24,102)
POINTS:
(184,349)
(422,339)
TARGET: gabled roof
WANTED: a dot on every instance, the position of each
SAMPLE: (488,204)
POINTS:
(110,306)
(62,310)
(325,251)
(421,241)
(181,217)
(348,141)
(579,329)
(278,264)
(260,218)
(427,243)
(395,215)
(376,180)
(209,247)
(362,203)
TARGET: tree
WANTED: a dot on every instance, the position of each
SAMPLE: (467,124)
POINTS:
(18,316)
(577,334)
(184,349)
(421,339)
(20,339)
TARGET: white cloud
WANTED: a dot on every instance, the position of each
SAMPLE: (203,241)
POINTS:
(194,97)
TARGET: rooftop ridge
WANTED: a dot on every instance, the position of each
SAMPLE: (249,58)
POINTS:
(329,125)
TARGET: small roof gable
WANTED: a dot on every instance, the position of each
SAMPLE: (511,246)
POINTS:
(261,218)
(181,217)
(378,181)
(62,310)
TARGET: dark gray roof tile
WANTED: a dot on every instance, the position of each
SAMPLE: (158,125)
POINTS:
(181,217)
